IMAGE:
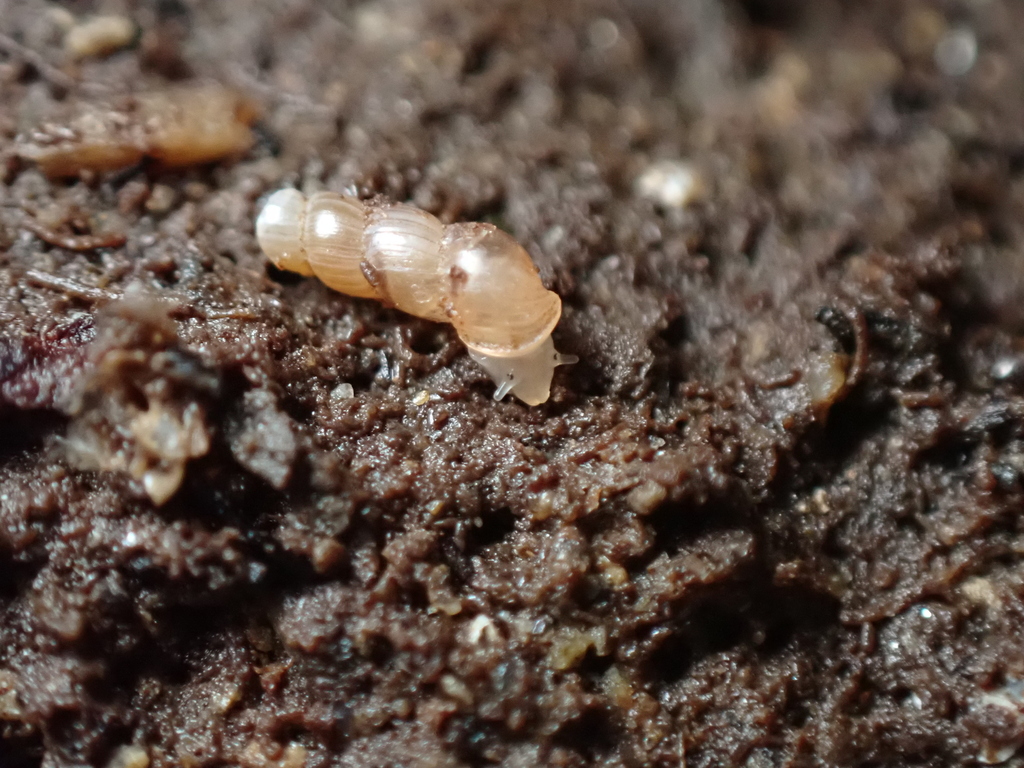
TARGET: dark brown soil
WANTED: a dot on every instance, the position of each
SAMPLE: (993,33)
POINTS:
(772,518)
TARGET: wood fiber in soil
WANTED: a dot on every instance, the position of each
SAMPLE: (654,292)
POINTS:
(772,518)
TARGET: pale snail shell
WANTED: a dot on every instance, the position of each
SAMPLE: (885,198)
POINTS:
(471,275)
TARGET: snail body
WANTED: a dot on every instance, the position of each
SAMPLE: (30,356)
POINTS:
(175,128)
(471,275)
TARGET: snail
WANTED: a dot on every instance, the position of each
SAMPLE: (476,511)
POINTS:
(177,127)
(472,275)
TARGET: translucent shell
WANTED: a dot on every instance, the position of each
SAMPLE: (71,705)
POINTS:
(496,300)
(333,231)
(403,255)
(177,127)
(279,230)
(474,276)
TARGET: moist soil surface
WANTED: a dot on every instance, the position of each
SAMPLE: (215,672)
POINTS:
(771,518)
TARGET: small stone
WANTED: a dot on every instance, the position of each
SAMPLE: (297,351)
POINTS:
(61,18)
(614,574)
(646,497)
(980,591)
(161,484)
(161,198)
(294,756)
(327,553)
(671,184)
(482,628)
(1005,368)
(129,756)
(542,505)
(224,699)
(342,392)
(603,34)
(99,36)
(456,689)
(825,376)
(956,52)
(10,708)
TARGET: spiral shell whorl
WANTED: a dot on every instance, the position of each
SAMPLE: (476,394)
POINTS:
(334,235)
(279,230)
(496,300)
(403,257)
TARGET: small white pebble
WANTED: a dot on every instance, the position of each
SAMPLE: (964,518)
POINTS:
(160,484)
(294,757)
(404,108)
(671,183)
(543,505)
(603,34)
(343,391)
(99,36)
(646,497)
(482,627)
(421,398)
(161,198)
(129,756)
(981,592)
(456,689)
(1004,368)
(226,699)
(371,24)
(553,237)
(61,18)
(956,52)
